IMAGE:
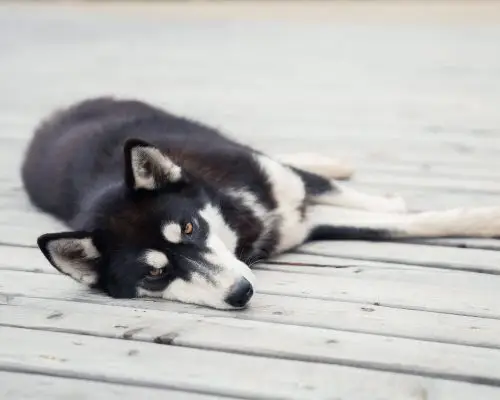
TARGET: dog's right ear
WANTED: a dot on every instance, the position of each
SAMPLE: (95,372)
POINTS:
(72,253)
(147,167)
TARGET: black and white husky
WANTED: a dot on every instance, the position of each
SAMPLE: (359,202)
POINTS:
(163,206)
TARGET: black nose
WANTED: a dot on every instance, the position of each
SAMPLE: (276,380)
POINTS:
(240,293)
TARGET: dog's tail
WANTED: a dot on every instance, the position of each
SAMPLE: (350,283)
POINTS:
(333,223)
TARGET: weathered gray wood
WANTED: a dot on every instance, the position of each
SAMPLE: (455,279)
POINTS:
(259,338)
(17,386)
(32,260)
(441,257)
(210,371)
(29,218)
(330,265)
(20,236)
(378,101)
(480,301)
(343,316)
(461,298)
(485,244)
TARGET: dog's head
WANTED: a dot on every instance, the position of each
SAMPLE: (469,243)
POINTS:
(156,235)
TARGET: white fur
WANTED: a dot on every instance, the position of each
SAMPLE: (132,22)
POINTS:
(327,167)
(231,269)
(172,232)
(250,201)
(155,259)
(79,269)
(198,290)
(219,227)
(478,222)
(350,198)
(289,193)
(143,178)
(470,222)
(221,243)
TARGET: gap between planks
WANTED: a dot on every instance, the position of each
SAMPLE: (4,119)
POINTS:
(448,361)
(212,372)
(476,260)
(364,318)
(457,299)
(37,386)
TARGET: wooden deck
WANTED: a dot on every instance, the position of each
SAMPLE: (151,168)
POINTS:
(410,95)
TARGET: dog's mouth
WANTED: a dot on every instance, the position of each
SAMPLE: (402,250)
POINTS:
(202,292)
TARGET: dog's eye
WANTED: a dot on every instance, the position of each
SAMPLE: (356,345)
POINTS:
(156,272)
(188,228)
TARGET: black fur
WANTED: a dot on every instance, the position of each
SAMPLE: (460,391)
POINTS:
(77,168)
(328,232)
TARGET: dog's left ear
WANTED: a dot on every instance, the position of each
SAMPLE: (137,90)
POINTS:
(72,253)
(146,167)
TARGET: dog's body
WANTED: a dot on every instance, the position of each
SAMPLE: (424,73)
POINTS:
(165,206)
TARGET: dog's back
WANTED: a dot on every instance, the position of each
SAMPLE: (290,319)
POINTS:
(81,147)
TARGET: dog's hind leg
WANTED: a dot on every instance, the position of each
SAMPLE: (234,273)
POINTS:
(321,190)
(334,223)
(343,196)
(327,167)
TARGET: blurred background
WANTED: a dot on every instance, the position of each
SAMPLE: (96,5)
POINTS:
(406,90)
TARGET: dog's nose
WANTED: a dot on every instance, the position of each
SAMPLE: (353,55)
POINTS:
(240,293)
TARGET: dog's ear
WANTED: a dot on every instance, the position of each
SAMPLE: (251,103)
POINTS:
(146,167)
(72,253)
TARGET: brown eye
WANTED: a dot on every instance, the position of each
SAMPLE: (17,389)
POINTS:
(156,272)
(188,228)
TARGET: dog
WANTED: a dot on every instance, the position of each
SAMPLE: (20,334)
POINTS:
(159,205)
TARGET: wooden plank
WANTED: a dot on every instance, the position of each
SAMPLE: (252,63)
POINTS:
(258,338)
(32,260)
(478,301)
(19,258)
(485,261)
(211,372)
(462,296)
(330,265)
(387,272)
(472,243)
(367,318)
(16,386)
(20,236)
(30,218)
